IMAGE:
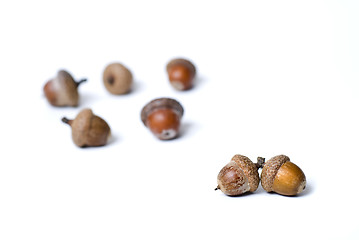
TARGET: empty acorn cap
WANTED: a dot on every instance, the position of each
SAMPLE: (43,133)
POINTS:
(249,169)
(161,103)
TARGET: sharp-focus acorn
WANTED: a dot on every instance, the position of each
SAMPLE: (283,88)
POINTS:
(163,117)
(239,176)
(282,176)
(62,90)
(88,130)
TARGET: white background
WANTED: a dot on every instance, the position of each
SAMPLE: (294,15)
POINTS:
(274,77)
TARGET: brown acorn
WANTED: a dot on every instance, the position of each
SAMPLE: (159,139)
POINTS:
(117,79)
(88,130)
(62,90)
(181,73)
(282,176)
(163,117)
(240,175)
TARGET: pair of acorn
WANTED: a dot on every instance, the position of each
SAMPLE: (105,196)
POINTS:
(162,116)
(278,175)
(63,89)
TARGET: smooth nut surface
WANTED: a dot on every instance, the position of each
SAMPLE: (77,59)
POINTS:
(117,79)
(164,123)
(161,103)
(181,73)
(289,180)
(163,117)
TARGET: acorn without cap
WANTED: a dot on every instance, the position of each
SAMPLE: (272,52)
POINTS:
(62,90)
(181,73)
(282,176)
(163,117)
(240,175)
(88,130)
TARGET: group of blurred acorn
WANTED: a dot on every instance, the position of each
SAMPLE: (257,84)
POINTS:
(163,118)
(162,115)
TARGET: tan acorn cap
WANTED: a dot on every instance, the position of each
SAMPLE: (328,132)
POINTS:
(250,170)
(270,170)
(88,130)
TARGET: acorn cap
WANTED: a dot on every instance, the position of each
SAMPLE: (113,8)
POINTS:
(249,169)
(181,61)
(161,103)
(89,129)
(270,170)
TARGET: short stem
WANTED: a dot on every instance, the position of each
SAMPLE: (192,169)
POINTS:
(66,120)
(81,81)
(260,162)
(217,188)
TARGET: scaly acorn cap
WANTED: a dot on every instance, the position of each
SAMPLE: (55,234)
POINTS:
(249,169)
(89,130)
(270,170)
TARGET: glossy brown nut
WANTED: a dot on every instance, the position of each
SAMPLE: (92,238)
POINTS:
(282,176)
(181,73)
(163,117)
(117,79)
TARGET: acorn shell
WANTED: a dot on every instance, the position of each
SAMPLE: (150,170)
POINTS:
(89,129)
(161,103)
(270,170)
(249,169)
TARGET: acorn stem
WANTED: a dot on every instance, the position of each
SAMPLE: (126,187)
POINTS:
(81,81)
(217,188)
(66,120)
(260,162)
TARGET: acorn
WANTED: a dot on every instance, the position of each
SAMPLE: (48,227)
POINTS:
(282,176)
(62,90)
(181,73)
(88,130)
(163,117)
(117,78)
(239,176)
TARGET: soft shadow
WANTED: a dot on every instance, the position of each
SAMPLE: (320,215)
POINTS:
(246,194)
(307,191)
(87,99)
(113,138)
(197,82)
(186,128)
